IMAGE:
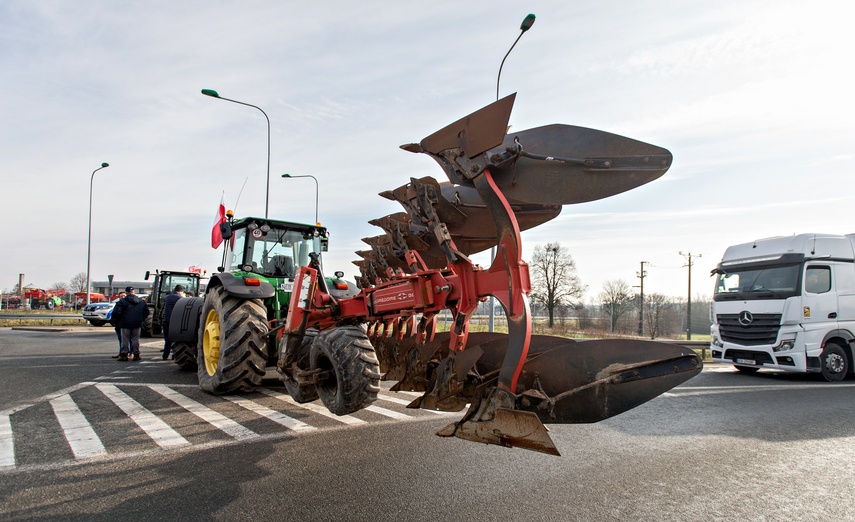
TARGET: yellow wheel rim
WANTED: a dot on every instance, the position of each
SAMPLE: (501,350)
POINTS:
(211,342)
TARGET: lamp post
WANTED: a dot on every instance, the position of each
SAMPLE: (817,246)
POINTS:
(213,94)
(527,22)
(89,243)
(317,189)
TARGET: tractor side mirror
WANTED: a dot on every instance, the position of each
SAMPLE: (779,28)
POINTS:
(147,273)
(226,229)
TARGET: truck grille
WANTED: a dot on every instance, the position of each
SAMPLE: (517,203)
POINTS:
(762,330)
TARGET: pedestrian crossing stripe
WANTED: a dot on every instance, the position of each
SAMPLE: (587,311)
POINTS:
(85,444)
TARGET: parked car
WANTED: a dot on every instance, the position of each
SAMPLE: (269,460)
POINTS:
(98,314)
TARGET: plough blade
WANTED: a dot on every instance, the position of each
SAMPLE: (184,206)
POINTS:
(593,380)
(496,421)
(608,164)
(580,382)
(550,165)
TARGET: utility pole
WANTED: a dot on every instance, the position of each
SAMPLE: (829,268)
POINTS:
(641,275)
(688,256)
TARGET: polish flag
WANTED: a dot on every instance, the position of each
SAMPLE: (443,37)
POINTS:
(216,234)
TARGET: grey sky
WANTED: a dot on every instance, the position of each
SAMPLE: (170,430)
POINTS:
(752,98)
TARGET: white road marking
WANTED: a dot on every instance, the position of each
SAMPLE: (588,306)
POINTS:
(404,402)
(388,413)
(108,378)
(47,397)
(218,420)
(311,406)
(7,443)
(276,416)
(154,426)
(77,430)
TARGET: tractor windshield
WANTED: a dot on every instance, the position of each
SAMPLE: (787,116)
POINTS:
(273,253)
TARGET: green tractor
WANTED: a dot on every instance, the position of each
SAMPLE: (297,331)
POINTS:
(164,283)
(227,335)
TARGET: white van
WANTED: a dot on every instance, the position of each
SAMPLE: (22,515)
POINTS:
(786,303)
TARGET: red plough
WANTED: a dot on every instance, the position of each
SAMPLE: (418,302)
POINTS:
(499,184)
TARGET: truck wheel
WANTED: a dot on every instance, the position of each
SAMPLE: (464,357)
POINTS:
(353,379)
(184,355)
(834,362)
(97,323)
(232,343)
(303,394)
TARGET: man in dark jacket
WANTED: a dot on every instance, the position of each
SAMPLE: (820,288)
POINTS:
(131,312)
(168,304)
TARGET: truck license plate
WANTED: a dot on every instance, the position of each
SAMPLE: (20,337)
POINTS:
(745,361)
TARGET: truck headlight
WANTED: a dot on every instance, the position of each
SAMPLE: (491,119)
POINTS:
(784,346)
(717,342)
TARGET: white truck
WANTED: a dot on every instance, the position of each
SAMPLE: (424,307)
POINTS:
(786,303)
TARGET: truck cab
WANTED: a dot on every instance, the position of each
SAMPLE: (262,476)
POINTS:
(786,303)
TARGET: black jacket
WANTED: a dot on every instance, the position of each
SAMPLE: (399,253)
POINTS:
(168,304)
(131,312)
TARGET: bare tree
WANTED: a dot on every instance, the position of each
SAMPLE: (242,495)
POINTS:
(78,283)
(554,279)
(616,299)
(656,307)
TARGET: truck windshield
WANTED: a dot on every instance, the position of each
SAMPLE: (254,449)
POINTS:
(775,282)
(276,253)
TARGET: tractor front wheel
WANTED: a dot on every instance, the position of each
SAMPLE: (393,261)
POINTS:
(232,343)
(303,394)
(352,371)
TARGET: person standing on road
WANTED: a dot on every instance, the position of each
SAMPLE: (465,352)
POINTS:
(131,312)
(115,325)
(168,304)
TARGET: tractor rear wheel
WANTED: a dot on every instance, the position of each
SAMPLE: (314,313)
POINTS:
(232,342)
(303,394)
(184,355)
(146,326)
(352,368)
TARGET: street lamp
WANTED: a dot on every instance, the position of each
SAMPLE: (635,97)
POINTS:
(527,22)
(317,189)
(213,94)
(89,244)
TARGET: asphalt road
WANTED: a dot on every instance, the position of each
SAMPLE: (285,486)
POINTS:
(93,439)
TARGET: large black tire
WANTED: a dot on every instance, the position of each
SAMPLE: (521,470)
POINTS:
(146,326)
(184,355)
(834,363)
(353,369)
(231,349)
(303,394)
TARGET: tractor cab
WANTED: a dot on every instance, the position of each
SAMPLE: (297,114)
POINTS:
(273,249)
